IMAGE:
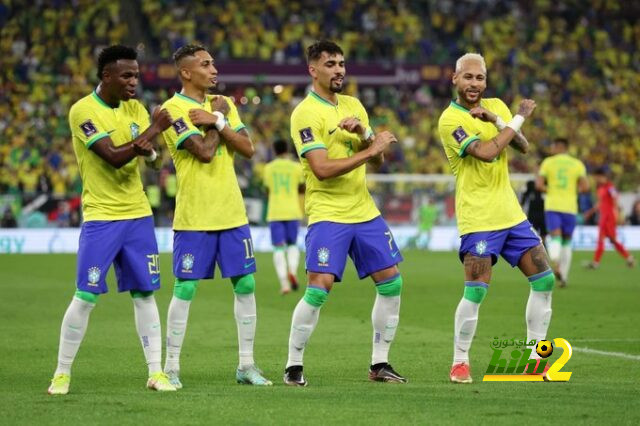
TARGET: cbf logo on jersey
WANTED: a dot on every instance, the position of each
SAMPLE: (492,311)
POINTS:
(306,135)
(93,276)
(323,256)
(187,262)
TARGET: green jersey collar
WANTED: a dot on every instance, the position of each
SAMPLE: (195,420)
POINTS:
(187,98)
(321,99)
(101,101)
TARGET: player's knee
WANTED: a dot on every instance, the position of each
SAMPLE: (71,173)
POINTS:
(185,289)
(475,291)
(244,284)
(316,296)
(543,281)
(390,287)
(137,294)
(86,296)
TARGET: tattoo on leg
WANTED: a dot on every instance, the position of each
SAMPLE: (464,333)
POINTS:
(476,266)
(539,258)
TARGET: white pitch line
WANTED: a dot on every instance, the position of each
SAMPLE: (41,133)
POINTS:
(605,353)
(606,340)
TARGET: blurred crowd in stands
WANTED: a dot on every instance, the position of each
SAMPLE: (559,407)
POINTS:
(580,63)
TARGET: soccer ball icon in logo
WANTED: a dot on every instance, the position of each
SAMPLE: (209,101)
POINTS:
(544,348)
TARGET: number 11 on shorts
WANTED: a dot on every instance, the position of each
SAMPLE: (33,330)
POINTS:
(248,248)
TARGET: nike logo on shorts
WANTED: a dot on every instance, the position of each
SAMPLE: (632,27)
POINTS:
(155,280)
(248,265)
(394,254)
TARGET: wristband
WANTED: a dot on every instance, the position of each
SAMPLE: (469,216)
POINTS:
(516,122)
(151,157)
(220,121)
(500,123)
(367,134)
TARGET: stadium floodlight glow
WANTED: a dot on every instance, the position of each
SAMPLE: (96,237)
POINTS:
(255,100)
(277,89)
(244,100)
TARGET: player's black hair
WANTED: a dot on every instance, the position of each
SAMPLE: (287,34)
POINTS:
(315,50)
(563,141)
(111,54)
(280,147)
(187,50)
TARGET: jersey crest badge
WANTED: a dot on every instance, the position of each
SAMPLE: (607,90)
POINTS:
(459,134)
(135,130)
(481,247)
(88,128)
(187,262)
(179,126)
(306,135)
(93,276)
(323,256)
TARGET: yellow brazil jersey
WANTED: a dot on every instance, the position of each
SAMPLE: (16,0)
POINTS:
(208,197)
(562,173)
(108,193)
(485,200)
(282,177)
(314,125)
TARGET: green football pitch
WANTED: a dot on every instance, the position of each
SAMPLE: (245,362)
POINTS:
(598,314)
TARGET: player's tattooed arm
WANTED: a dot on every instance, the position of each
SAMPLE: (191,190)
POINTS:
(203,148)
(324,167)
(520,143)
(118,156)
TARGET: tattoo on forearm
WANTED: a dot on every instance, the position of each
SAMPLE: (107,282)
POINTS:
(495,142)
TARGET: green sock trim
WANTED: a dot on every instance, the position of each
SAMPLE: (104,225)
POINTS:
(545,283)
(86,296)
(556,238)
(244,284)
(185,289)
(137,294)
(566,242)
(279,248)
(390,288)
(315,296)
(475,294)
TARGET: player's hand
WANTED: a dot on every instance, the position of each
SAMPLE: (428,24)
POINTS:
(200,117)
(381,141)
(352,125)
(483,114)
(526,107)
(143,147)
(219,103)
(161,118)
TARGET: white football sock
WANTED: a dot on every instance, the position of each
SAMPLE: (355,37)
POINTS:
(304,321)
(565,261)
(280,262)
(385,317)
(538,315)
(177,318)
(74,325)
(244,309)
(293,258)
(466,320)
(149,330)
